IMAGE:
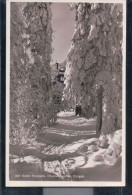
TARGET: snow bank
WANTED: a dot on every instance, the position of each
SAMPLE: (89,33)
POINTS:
(86,157)
(103,152)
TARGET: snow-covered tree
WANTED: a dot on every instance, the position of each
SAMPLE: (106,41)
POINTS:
(30,91)
(94,63)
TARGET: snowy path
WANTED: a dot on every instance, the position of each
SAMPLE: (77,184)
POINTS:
(68,122)
(69,125)
(70,151)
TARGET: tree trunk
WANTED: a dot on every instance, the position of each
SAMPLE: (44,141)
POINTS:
(99,109)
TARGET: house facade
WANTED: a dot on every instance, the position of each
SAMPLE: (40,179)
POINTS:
(57,71)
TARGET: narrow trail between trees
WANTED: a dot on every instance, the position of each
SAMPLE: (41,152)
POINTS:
(69,128)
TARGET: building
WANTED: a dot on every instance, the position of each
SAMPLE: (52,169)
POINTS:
(57,74)
(57,71)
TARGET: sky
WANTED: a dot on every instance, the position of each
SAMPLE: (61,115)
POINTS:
(63,23)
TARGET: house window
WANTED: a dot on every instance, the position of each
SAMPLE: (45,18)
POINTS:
(61,78)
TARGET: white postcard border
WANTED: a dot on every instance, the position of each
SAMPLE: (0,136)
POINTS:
(65,183)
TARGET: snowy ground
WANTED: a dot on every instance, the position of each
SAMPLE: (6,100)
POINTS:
(69,151)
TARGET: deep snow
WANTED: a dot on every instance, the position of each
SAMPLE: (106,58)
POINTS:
(81,154)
